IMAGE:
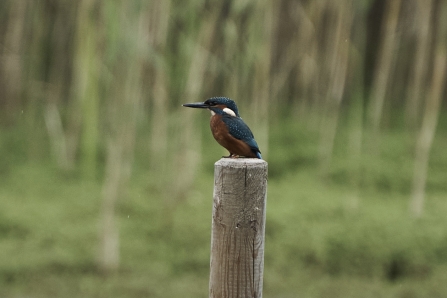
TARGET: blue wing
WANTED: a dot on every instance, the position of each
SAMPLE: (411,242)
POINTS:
(241,131)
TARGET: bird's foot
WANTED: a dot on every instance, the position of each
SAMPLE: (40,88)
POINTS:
(231,156)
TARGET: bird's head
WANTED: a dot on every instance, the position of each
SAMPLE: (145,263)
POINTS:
(217,105)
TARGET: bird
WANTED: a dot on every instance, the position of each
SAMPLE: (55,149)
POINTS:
(228,128)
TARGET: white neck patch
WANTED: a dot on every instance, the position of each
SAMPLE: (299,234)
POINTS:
(229,112)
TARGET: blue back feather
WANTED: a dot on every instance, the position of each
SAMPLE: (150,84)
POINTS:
(238,129)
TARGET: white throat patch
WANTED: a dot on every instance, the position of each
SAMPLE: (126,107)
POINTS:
(229,112)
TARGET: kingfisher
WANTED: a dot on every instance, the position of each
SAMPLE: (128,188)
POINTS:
(228,128)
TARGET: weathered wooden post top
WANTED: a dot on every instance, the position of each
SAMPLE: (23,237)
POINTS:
(238,228)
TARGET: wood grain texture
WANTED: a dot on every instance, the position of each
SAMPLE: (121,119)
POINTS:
(238,228)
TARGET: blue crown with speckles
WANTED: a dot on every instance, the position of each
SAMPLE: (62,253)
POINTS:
(225,101)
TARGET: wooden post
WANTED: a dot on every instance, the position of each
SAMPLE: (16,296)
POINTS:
(238,228)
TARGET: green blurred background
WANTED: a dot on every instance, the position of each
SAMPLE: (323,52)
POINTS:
(106,181)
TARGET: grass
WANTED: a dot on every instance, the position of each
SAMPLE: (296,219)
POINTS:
(317,243)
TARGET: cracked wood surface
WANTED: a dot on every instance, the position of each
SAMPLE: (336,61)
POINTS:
(238,228)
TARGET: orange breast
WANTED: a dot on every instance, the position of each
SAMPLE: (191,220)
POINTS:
(226,140)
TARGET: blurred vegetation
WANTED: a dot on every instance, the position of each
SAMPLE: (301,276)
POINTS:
(107,182)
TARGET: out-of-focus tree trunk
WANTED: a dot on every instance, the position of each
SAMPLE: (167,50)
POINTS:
(261,85)
(11,69)
(117,174)
(31,84)
(337,67)
(159,25)
(86,77)
(235,62)
(356,109)
(108,257)
(123,107)
(383,69)
(314,102)
(419,71)
(431,114)
(54,95)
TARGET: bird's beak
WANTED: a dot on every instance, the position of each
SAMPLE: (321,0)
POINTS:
(197,105)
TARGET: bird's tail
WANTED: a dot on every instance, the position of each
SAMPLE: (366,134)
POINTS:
(258,155)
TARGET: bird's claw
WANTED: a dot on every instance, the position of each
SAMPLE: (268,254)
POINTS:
(231,156)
